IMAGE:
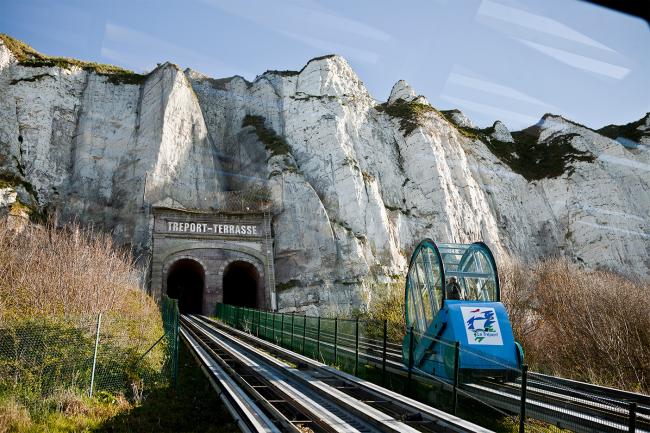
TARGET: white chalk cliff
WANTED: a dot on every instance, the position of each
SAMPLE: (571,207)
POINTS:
(356,184)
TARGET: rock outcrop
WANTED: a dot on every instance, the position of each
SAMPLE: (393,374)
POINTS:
(355,184)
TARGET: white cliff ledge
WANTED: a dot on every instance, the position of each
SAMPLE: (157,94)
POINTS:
(356,184)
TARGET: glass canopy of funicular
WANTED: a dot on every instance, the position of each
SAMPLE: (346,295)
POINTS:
(431,270)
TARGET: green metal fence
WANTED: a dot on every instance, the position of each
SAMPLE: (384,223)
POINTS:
(373,351)
(114,352)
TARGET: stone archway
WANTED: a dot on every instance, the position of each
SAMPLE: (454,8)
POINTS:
(241,285)
(186,282)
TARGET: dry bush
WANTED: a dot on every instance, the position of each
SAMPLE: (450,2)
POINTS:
(587,325)
(61,272)
(14,417)
(53,284)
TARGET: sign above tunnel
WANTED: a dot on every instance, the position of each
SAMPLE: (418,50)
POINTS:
(177,222)
(221,229)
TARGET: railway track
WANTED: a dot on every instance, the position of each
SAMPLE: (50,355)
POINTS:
(574,405)
(269,388)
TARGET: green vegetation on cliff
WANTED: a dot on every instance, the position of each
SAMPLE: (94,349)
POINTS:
(274,143)
(28,56)
(629,131)
(410,113)
(527,156)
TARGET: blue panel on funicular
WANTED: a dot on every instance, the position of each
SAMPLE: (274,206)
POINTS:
(452,295)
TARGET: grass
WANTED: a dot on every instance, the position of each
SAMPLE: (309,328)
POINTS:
(29,57)
(165,409)
(192,407)
(273,142)
(410,114)
(53,284)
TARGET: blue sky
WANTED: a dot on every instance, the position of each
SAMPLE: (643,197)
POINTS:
(493,59)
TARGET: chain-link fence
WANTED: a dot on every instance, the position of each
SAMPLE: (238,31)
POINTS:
(115,352)
(375,351)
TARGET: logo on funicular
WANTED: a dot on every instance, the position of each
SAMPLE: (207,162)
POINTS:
(482,326)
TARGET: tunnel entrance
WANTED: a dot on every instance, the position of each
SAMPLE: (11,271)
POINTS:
(240,282)
(185,281)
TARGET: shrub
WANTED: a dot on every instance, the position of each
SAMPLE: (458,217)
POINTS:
(53,284)
(385,301)
(586,325)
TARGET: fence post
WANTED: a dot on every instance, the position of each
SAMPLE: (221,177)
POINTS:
(632,419)
(383,355)
(282,329)
(318,339)
(176,343)
(293,329)
(336,331)
(522,409)
(304,332)
(257,327)
(273,332)
(92,374)
(410,374)
(356,347)
(454,397)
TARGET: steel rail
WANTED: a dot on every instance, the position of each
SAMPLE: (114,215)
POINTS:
(332,406)
(577,405)
(363,394)
(247,415)
(292,409)
(324,408)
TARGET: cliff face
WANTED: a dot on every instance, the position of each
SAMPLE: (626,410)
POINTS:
(355,184)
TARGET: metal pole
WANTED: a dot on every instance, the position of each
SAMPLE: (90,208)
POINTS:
(410,374)
(522,409)
(336,331)
(454,398)
(176,343)
(383,355)
(632,420)
(282,329)
(273,332)
(257,327)
(318,339)
(92,375)
(293,317)
(304,332)
(356,347)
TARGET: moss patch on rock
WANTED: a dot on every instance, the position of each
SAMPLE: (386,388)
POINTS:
(527,156)
(535,160)
(28,56)
(628,131)
(410,114)
(274,143)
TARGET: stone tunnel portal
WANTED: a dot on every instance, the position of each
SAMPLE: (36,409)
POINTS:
(241,285)
(185,282)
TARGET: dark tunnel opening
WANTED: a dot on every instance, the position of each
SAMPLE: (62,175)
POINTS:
(185,281)
(240,282)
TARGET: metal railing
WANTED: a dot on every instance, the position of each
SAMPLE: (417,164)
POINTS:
(365,348)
